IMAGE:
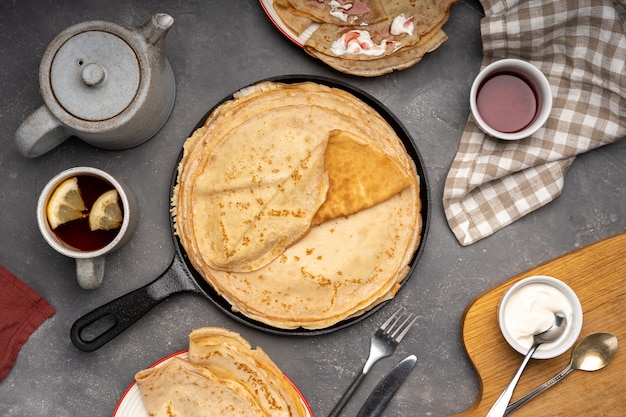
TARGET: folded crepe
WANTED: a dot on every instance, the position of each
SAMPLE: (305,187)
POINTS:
(180,388)
(360,176)
(257,197)
(222,376)
(248,193)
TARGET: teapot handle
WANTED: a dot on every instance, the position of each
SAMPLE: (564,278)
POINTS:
(40,133)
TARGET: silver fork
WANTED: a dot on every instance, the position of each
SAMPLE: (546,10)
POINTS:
(383,343)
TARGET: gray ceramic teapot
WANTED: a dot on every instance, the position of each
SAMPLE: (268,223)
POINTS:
(109,85)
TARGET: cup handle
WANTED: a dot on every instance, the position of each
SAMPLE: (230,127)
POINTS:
(90,271)
(40,133)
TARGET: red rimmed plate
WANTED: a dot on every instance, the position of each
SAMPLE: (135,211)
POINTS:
(270,11)
(131,404)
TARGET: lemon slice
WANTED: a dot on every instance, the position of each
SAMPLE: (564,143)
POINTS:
(106,213)
(65,204)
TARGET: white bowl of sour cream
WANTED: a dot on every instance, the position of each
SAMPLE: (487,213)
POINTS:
(528,307)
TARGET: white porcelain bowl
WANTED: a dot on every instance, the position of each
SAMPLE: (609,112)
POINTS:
(529,301)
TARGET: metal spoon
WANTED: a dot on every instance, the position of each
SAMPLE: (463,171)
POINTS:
(592,353)
(550,335)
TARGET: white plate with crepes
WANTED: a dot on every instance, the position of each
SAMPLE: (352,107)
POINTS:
(131,404)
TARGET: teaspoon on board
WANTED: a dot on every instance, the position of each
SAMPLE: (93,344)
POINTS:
(592,353)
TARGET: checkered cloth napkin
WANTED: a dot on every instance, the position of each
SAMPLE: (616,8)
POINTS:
(580,45)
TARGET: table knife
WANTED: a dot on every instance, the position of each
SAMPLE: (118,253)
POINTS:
(386,388)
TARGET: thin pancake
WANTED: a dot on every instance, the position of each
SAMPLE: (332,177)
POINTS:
(258,196)
(340,268)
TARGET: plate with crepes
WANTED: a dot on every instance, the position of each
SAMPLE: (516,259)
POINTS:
(212,380)
(300,205)
(363,37)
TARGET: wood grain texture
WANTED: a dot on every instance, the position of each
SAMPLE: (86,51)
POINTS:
(597,273)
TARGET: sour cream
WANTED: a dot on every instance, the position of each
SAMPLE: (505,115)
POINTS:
(338,10)
(531,310)
(401,24)
(359,42)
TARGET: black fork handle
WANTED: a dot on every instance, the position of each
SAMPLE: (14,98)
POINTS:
(347,395)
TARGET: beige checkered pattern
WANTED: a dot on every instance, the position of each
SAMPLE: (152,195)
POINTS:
(581,47)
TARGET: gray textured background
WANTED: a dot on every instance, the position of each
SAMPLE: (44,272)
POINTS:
(216,47)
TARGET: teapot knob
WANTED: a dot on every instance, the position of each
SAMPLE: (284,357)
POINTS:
(92,74)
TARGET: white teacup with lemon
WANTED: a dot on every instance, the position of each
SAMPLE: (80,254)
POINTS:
(85,213)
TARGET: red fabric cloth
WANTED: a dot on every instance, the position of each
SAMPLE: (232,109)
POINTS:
(22,310)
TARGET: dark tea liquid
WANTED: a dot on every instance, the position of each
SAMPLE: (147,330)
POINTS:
(507,102)
(76,234)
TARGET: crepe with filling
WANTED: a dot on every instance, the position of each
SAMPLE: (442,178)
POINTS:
(428,17)
(221,376)
(344,13)
(336,270)
(400,60)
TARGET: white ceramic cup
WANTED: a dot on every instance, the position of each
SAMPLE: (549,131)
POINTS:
(529,73)
(89,264)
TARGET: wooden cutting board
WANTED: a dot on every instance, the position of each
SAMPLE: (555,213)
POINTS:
(597,273)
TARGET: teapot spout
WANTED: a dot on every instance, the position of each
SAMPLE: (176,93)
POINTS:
(155,29)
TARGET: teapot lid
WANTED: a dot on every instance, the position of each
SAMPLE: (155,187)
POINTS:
(94,75)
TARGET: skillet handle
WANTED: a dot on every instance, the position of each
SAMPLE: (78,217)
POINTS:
(106,322)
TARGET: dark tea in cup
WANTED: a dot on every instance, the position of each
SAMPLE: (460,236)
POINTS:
(507,101)
(77,234)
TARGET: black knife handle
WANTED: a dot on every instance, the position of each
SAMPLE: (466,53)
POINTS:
(385,390)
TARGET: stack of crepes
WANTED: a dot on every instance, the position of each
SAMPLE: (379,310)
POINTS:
(367,37)
(221,376)
(298,204)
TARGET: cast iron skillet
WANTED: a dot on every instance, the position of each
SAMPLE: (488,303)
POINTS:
(93,330)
